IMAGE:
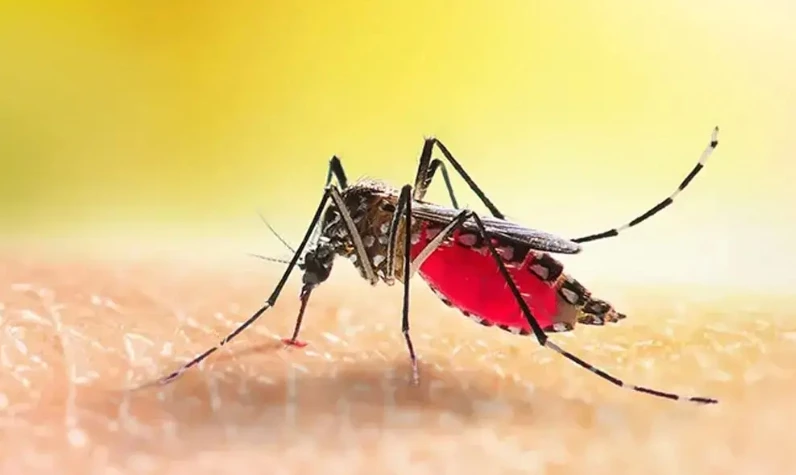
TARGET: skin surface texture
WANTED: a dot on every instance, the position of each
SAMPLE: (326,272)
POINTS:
(77,332)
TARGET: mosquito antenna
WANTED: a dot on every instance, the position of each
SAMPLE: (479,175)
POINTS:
(265,221)
(271,259)
(274,259)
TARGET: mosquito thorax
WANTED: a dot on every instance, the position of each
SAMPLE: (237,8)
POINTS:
(371,205)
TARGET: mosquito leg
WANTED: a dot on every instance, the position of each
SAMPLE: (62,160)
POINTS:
(268,304)
(444,234)
(410,266)
(406,200)
(356,238)
(543,338)
(663,204)
(392,233)
(425,174)
(362,259)
(404,209)
(336,170)
(432,170)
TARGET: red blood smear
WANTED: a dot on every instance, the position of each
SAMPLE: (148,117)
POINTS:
(473,283)
(296,343)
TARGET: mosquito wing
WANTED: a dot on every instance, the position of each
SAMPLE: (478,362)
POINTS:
(537,240)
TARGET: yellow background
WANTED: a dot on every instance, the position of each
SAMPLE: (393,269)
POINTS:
(156,120)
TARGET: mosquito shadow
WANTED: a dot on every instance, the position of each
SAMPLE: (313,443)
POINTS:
(363,394)
(267,404)
(261,349)
(221,357)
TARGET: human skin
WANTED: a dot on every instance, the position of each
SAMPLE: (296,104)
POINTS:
(79,333)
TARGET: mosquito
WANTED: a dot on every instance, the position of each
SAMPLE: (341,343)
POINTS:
(496,272)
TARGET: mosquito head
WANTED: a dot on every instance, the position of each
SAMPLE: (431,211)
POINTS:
(317,263)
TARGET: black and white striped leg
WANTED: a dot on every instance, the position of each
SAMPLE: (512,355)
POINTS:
(663,204)
(268,304)
(406,201)
(392,235)
(359,249)
(332,193)
(356,238)
(404,210)
(544,340)
(334,170)
(425,172)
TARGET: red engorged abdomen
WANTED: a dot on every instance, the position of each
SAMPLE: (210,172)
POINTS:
(472,282)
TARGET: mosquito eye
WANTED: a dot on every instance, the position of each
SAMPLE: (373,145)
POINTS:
(389,207)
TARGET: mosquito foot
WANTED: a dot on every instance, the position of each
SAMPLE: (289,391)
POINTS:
(168,379)
(292,342)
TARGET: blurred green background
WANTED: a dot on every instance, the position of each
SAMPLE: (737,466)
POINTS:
(165,119)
